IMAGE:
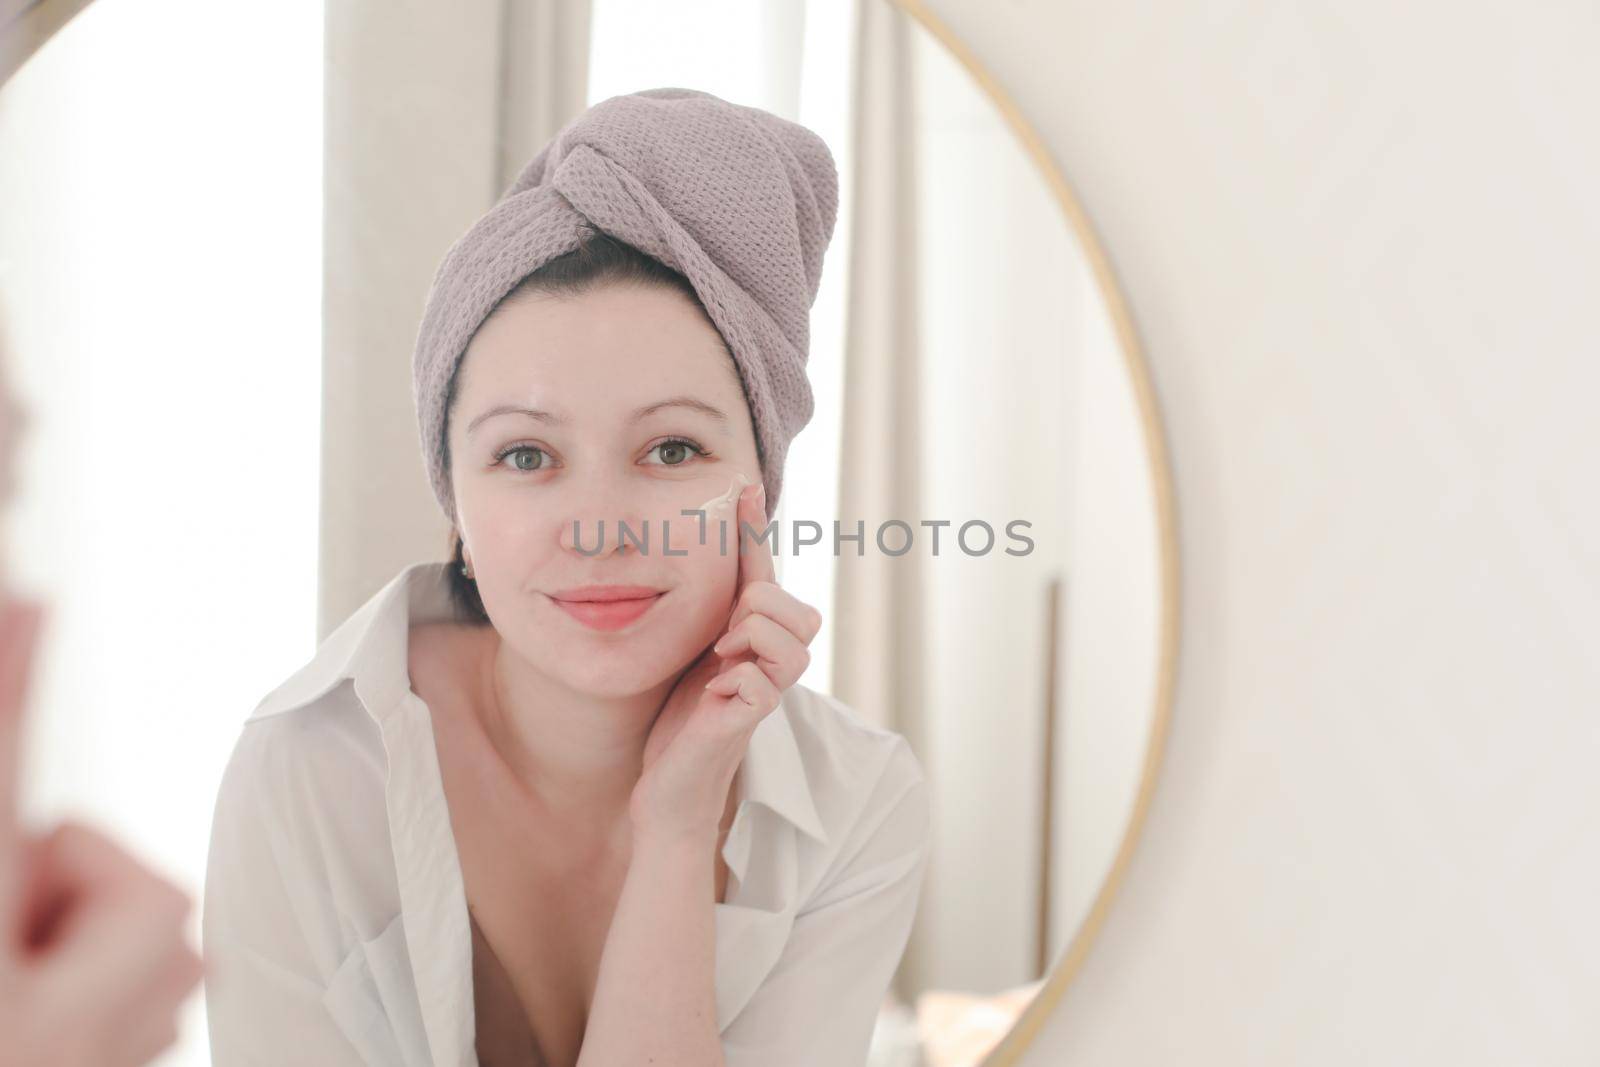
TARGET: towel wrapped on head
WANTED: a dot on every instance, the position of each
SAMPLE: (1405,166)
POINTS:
(738,200)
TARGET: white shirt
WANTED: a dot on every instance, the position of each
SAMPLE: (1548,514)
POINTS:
(335,922)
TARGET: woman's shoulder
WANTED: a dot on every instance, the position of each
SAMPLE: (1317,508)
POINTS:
(856,769)
(827,728)
(322,721)
(310,781)
(327,740)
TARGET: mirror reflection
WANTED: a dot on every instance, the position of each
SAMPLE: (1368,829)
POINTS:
(393,426)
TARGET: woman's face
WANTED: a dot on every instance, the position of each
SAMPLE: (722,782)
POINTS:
(643,418)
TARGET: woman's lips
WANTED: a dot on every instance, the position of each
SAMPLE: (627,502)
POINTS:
(607,614)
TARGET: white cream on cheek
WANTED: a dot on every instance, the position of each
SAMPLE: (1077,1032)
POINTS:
(717,503)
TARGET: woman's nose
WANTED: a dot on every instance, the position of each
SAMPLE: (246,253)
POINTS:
(609,515)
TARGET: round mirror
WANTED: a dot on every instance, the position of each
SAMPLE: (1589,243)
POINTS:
(980,506)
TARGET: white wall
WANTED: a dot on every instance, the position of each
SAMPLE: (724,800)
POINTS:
(1361,248)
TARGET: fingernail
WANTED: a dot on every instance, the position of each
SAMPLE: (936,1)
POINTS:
(761,494)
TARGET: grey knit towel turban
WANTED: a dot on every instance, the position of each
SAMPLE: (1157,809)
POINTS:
(738,200)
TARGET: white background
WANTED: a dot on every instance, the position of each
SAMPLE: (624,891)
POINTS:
(162,286)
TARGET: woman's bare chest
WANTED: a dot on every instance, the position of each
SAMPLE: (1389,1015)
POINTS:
(541,906)
(540,920)
(541,899)
(539,933)
(536,960)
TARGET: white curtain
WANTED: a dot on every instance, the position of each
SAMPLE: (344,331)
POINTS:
(878,666)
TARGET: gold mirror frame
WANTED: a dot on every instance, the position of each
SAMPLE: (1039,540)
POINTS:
(35,23)
(1009,1051)
(29,28)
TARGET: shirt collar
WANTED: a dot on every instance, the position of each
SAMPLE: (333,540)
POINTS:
(369,648)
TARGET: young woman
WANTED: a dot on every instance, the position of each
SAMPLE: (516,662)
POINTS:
(574,806)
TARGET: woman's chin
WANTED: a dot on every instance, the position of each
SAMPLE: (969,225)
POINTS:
(614,670)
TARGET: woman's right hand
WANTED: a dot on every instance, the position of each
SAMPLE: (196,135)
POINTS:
(703,729)
(94,965)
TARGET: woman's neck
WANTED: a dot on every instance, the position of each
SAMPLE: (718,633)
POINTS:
(578,755)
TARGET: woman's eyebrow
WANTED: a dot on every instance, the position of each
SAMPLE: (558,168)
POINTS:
(690,402)
(681,401)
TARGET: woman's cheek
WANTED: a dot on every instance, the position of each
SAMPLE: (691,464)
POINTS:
(705,573)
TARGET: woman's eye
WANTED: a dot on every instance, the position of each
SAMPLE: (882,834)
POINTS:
(522,457)
(677,451)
